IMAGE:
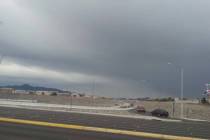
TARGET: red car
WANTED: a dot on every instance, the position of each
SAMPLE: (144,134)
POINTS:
(140,109)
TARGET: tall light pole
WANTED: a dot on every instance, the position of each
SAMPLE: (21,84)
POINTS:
(70,94)
(181,89)
(182,92)
(93,91)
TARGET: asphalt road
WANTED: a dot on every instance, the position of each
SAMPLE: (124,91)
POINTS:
(186,128)
(10,131)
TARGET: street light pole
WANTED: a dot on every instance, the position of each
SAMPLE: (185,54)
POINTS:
(182,92)
(93,91)
(70,101)
(181,89)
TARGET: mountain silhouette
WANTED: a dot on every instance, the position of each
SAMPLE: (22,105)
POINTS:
(29,87)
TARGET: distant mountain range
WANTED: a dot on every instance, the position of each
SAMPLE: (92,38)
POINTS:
(29,87)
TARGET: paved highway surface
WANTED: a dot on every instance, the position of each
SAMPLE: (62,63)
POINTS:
(10,131)
(186,128)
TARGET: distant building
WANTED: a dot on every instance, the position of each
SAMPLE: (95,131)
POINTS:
(24,92)
(35,92)
(7,91)
(65,94)
(21,92)
(46,92)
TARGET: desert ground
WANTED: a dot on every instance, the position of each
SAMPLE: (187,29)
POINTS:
(191,111)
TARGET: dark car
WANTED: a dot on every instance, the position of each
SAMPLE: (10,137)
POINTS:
(160,113)
(140,109)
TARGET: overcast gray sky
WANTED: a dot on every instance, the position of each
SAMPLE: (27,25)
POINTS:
(122,45)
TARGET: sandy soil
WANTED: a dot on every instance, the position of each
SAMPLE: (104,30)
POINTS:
(193,111)
(84,101)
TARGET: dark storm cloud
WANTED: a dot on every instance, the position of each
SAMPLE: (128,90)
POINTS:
(128,42)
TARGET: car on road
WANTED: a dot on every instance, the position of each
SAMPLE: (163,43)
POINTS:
(125,105)
(140,109)
(160,113)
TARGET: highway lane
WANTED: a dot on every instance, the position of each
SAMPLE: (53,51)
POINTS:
(186,128)
(11,131)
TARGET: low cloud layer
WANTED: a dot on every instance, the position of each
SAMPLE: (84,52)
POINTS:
(124,46)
